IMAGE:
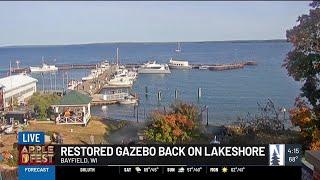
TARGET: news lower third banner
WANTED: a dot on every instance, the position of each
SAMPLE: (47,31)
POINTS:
(38,160)
(264,155)
(161,155)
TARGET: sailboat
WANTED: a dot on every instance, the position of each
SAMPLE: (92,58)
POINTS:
(178,48)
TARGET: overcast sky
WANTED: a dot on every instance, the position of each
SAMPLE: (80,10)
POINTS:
(51,23)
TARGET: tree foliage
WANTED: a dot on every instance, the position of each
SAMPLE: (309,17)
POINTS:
(178,125)
(303,64)
(41,103)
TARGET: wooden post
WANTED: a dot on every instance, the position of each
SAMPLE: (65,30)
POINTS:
(146,91)
(175,94)
(137,113)
(199,93)
(134,110)
(159,95)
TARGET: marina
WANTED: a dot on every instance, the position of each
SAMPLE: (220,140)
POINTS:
(90,89)
(110,84)
(154,91)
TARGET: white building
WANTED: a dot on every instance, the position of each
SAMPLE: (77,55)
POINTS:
(17,87)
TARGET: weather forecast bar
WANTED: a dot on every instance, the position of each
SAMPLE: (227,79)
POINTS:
(291,172)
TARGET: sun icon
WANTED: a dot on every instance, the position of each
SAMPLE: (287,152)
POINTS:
(224,170)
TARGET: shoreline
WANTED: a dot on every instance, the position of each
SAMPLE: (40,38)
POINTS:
(144,42)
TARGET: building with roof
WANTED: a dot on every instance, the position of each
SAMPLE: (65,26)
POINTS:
(73,108)
(16,87)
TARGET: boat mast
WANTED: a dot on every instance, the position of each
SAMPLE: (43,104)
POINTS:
(11,86)
(117,56)
(42,60)
(10,70)
(178,48)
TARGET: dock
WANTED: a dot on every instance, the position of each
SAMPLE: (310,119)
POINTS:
(98,100)
(75,66)
(95,85)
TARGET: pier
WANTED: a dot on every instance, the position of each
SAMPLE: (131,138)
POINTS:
(221,67)
(95,85)
(75,66)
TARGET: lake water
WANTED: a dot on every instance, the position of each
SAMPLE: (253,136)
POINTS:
(228,94)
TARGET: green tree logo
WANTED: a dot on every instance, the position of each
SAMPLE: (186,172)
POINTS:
(275,159)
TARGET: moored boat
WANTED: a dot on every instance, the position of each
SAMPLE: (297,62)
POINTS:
(120,81)
(204,67)
(72,84)
(129,100)
(43,68)
(178,64)
(152,67)
(93,74)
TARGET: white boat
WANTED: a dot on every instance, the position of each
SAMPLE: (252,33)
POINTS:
(152,67)
(178,64)
(129,100)
(90,77)
(93,74)
(120,81)
(178,48)
(132,75)
(204,67)
(121,73)
(43,68)
(105,65)
(72,84)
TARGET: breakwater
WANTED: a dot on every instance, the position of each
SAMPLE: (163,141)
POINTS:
(65,67)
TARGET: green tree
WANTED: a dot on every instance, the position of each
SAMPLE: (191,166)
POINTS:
(41,103)
(303,63)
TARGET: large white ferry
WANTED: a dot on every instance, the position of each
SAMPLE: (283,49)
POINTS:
(152,67)
(43,68)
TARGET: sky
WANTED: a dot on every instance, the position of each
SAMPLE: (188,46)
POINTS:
(80,22)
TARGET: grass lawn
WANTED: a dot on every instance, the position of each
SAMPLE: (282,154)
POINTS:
(74,134)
